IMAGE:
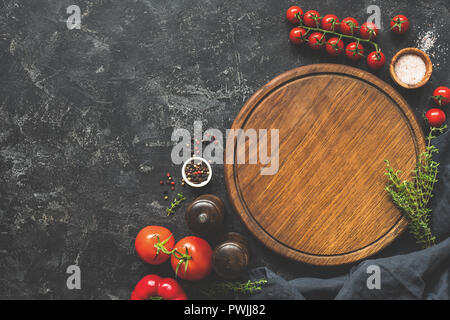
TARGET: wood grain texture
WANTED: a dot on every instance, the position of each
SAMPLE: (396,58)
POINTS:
(327,204)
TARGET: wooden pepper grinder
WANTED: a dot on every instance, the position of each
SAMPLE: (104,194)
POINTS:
(231,256)
(204,215)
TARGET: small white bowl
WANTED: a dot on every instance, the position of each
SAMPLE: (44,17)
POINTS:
(196,185)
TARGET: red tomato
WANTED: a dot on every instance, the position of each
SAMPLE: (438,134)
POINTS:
(311,19)
(399,24)
(376,60)
(441,96)
(297,35)
(316,40)
(151,242)
(330,22)
(436,117)
(348,26)
(293,14)
(368,31)
(334,46)
(192,259)
(152,286)
(354,52)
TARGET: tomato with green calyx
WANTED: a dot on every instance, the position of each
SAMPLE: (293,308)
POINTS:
(436,117)
(330,22)
(154,244)
(192,258)
(153,287)
(297,35)
(376,60)
(399,24)
(368,30)
(348,26)
(311,19)
(441,96)
(293,14)
(334,46)
(316,40)
(354,51)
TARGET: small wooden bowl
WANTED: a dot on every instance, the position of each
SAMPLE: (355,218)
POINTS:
(425,58)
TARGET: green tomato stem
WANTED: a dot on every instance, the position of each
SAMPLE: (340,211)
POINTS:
(341,35)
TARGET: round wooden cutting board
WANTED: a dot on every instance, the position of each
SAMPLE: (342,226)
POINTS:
(326,205)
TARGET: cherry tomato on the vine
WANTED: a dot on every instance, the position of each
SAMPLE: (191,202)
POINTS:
(316,40)
(354,51)
(334,46)
(368,30)
(441,96)
(293,14)
(330,22)
(192,259)
(349,26)
(399,24)
(151,242)
(311,19)
(436,117)
(297,35)
(376,60)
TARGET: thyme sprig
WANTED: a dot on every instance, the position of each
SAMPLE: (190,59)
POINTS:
(222,288)
(175,204)
(413,196)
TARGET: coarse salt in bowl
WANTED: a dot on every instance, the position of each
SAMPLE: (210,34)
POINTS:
(411,68)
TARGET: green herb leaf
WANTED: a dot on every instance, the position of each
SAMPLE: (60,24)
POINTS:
(413,197)
(175,204)
(223,288)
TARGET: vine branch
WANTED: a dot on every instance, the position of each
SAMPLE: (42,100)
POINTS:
(332,32)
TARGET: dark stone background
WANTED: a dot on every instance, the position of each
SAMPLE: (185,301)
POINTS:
(86,118)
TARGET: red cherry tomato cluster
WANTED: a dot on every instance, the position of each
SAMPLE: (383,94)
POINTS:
(435,116)
(313,29)
(330,24)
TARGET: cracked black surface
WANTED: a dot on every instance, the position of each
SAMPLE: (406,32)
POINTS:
(86,118)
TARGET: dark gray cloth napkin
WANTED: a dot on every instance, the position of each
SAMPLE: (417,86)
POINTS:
(423,274)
